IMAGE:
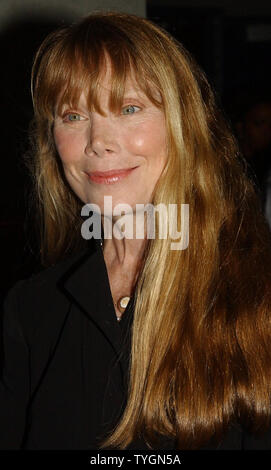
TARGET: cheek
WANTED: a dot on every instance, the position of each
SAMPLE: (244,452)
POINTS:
(67,147)
(148,138)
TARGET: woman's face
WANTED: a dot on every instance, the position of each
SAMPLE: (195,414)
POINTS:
(120,155)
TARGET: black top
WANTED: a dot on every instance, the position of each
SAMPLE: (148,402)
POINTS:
(66,358)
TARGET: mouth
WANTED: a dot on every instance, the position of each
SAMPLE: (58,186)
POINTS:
(110,176)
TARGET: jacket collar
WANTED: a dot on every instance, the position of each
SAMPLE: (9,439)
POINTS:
(86,283)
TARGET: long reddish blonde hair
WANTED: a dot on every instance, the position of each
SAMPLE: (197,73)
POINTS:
(201,337)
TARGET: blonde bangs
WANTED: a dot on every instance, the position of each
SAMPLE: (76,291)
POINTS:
(60,76)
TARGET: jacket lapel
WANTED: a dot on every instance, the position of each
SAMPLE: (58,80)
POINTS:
(86,284)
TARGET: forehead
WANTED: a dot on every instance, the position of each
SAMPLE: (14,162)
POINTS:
(107,82)
(130,86)
(103,95)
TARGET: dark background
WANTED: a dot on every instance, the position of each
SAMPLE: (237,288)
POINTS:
(233,46)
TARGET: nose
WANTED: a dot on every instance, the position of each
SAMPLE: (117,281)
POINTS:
(102,136)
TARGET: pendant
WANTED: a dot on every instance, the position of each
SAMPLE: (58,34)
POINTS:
(122,304)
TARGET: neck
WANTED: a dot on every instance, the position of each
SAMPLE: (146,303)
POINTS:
(123,257)
(119,249)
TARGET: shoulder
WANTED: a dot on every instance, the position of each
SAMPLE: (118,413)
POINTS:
(43,281)
(38,301)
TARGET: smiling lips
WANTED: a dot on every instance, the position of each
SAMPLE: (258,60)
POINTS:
(109,177)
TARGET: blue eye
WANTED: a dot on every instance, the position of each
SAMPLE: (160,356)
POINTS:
(130,109)
(73,117)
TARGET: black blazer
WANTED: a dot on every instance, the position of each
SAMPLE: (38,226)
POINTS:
(66,359)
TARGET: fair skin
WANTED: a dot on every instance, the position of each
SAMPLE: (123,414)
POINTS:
(132,144)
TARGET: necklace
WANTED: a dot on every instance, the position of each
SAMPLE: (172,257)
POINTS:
(122,302)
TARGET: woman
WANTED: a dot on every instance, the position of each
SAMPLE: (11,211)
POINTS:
(121,110)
